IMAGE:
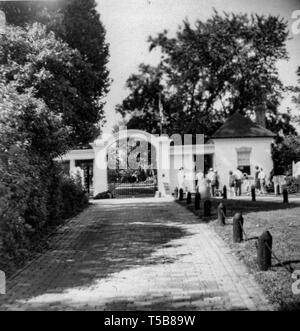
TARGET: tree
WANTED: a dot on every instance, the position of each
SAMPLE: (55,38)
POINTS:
(143,101)
(212,70)
(35,126)
(297,90)
(78,24)
(285,153)
(35,59)
(21,13)
(20,168)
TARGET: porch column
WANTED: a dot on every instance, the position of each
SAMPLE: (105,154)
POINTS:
(100,168)
(72,166)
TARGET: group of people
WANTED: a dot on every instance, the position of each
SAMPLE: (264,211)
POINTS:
(204,184)
(209,184)
(260,180)
(237,179)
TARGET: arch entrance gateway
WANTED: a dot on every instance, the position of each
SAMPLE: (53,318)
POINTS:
(132,163)
(238,143)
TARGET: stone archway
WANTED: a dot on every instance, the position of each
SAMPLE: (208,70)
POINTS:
(162,148)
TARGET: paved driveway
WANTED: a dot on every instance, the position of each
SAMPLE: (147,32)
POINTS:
(138,254)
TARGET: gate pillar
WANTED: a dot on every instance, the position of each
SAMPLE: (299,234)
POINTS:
(163,165)
(100,168)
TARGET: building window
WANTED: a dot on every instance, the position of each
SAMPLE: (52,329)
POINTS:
(243,160)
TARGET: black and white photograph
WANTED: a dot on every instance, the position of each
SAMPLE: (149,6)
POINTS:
(150,158)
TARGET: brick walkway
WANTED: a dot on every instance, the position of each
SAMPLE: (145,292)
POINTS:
(135,255)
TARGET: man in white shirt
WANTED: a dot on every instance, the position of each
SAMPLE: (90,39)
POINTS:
(201,183)
(199,178)
(262,179)
(210,177)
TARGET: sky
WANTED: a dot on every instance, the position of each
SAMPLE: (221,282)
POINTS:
(129,23)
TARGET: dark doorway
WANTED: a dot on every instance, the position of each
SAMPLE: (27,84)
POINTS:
(208,162)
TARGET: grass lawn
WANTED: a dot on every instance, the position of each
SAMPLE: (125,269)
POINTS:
(283,222)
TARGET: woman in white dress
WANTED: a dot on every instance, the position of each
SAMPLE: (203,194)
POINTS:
(201,184)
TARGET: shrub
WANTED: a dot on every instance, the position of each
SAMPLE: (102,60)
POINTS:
(16,184)
(36,123)
(284,153)
(74,199)
(29,205)
(292,185)
(104,195)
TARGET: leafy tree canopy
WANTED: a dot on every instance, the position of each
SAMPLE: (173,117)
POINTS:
(297,90)
(209,71)
(285,153)
(34,59)
(78,24)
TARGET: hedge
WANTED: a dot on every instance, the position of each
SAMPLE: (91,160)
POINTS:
(30,207)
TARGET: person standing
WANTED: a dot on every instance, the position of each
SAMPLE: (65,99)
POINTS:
(238,182)
(214,183)
(246,183)
(209,178)
(199,178)
(181,179)
(231,183)
(256,179)
(262,180)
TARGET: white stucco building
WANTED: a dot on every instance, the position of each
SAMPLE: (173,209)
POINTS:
(239,143)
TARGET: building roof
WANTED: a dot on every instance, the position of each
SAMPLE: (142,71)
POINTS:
(239,126)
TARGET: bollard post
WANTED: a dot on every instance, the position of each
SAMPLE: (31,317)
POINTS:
(189,198)
(264,248)
(253,193)
(238,223)
(181,194)
(221,214)
(225,192)
(197,201)
(285,194)
(207,208)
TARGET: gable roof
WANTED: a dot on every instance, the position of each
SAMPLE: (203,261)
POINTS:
(239,126)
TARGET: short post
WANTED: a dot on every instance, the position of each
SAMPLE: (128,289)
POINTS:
(189,198)
(238,223)
(207,208)
(253,193)
(285,194)
(221,214)
(197,200)
(264,249)
(181,194)
(225,192)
